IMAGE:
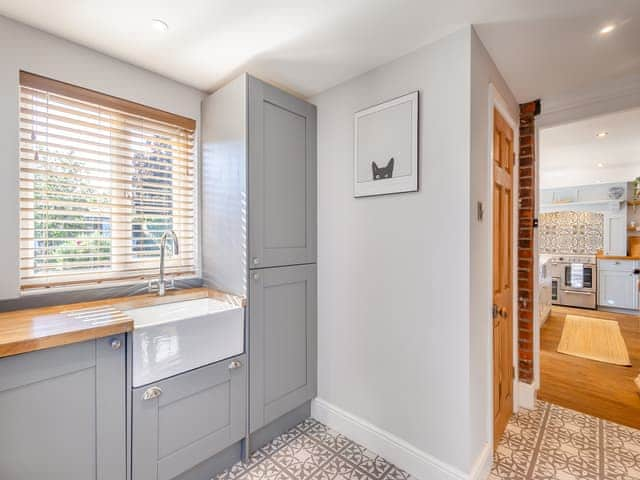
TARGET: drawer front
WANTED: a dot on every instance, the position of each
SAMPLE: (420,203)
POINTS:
(184,420)
(617,265)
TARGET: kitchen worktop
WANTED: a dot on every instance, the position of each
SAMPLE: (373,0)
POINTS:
(616,257)
(23,331)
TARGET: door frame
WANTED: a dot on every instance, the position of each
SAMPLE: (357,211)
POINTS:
(495,100)
(562,112)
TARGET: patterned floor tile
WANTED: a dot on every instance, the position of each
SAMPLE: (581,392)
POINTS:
(311,450)
(553,442)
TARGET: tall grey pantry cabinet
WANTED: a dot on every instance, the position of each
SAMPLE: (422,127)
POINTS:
(62,413)
(259,234)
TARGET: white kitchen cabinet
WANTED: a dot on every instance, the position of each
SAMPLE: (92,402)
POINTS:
(615,238)
(618,284)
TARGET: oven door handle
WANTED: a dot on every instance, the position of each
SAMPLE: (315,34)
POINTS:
(577,293)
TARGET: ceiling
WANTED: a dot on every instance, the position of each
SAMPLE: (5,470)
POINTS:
(570,154)
(542,47)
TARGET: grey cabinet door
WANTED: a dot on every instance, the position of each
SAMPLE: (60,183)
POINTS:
(282,316)
(195,415)
(62,413)
(617,289)
(282,178)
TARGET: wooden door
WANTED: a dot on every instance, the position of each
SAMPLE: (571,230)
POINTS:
(283,325)
(503,162)
(282,178)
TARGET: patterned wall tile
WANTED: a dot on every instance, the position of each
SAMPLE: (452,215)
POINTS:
(580,233)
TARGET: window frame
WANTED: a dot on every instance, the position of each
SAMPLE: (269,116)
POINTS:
(127,108)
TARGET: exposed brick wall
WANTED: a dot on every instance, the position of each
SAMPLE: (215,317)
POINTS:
(526,274)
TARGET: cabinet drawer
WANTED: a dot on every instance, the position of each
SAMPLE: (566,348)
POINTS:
(617,265)
(184,420)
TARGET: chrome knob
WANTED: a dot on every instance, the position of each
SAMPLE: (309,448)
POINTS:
(235,364)
(256,260)
(256,276)
(116,343)
(151,393)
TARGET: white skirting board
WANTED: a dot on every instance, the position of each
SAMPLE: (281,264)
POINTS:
(526,395)
(418,464)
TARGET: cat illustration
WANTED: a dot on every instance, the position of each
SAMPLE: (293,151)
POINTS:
(380,173)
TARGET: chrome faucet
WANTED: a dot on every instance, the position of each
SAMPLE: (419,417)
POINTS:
(163,248)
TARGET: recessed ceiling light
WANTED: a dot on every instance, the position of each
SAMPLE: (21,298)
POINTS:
(602,134)
(607,29)
(598,181)
(159,25)
(600,165)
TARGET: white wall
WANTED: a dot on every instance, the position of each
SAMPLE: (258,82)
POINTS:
(24,48)
(404,280)
(393,309)
(483,73)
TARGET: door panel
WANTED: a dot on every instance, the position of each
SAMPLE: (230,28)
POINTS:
(503,161)
(284,161)
(617,289)
(282,316)
(196,415)
(62,413)
(282,178)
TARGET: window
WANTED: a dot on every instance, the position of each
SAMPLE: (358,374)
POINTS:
(100,180)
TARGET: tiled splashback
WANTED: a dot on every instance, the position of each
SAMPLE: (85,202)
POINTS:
(580,233)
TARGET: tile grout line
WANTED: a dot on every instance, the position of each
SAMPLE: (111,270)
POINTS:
(536,449)
(356,467)
(601,448)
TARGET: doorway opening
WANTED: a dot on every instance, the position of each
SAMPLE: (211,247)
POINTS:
(588,247)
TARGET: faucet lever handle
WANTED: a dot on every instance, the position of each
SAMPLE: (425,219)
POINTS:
(153,285)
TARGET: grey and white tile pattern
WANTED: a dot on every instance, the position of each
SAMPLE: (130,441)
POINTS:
(552,442)
(312,450)
(579,233)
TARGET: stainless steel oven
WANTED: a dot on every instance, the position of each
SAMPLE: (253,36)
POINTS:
(555,290)
(574,281)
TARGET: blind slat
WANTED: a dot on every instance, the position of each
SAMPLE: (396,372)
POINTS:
(123,150)
(54,87)
(30,126)
(33,99)
(51,169)
(98,186)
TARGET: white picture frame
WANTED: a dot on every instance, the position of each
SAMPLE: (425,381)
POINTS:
(386,148)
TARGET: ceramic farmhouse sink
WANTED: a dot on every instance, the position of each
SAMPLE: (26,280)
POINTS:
(176,337)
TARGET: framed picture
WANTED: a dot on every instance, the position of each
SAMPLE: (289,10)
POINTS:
(386,147)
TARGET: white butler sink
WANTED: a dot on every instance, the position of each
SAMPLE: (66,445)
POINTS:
(176,337)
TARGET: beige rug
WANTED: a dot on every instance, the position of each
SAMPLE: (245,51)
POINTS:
(595,339)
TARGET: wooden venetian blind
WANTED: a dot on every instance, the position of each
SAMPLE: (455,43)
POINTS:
(100,180)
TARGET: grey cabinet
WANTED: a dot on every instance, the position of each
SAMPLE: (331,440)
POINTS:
(184,420)
(282,316)
(618,284)
(62,413)
(282,177)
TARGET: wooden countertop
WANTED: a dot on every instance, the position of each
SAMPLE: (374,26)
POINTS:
(616,257)
(23,331)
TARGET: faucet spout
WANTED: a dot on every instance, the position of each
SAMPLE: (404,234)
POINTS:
(163,247)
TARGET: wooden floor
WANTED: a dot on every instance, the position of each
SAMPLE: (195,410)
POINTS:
(596,388)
